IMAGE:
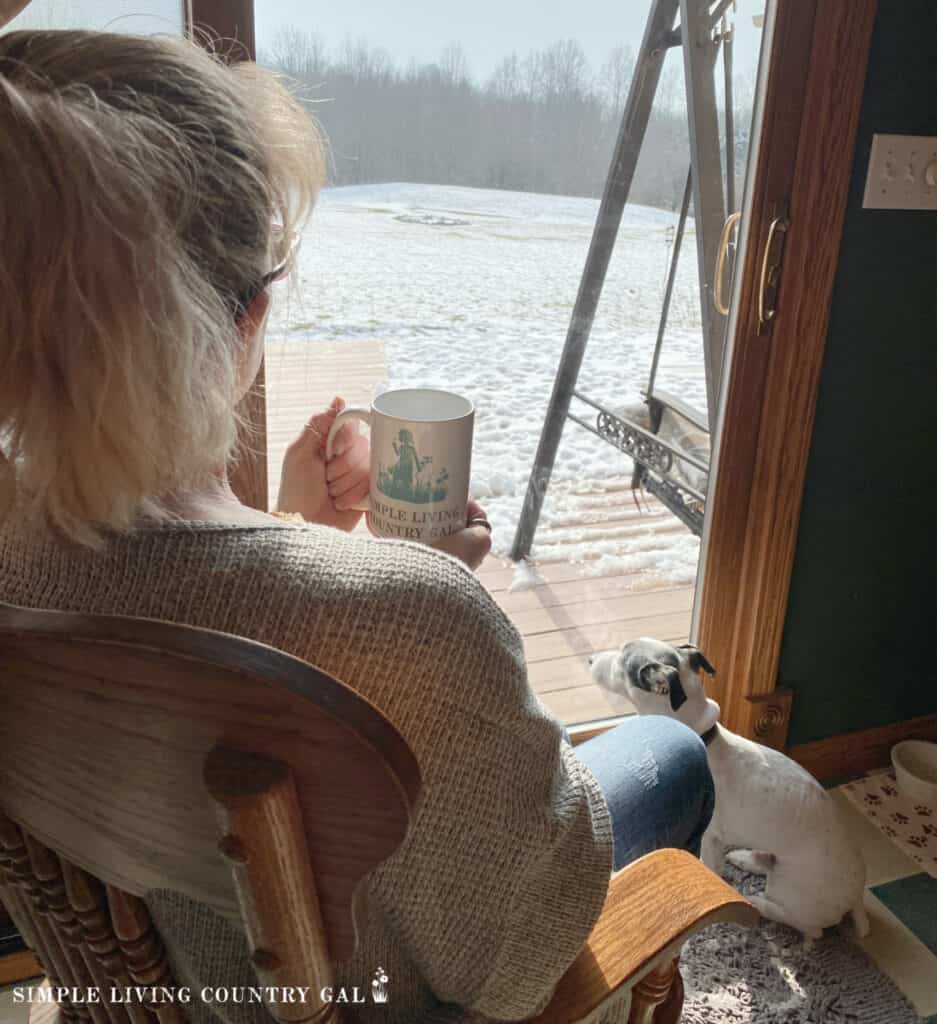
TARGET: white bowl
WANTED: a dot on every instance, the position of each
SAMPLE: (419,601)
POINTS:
(915,764)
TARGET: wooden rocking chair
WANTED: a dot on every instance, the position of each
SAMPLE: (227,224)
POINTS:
(136,754)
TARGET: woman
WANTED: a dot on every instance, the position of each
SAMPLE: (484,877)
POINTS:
(148,198)
(407,468)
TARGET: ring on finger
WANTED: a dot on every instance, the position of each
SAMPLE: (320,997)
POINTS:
(480,521)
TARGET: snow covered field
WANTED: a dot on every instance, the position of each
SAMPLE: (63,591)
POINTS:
(471,290)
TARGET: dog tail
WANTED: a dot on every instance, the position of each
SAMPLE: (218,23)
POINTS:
(860,920)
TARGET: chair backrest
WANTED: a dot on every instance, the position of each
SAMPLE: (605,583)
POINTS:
(137,754)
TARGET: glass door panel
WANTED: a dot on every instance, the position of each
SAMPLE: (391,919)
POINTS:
(141,16)
(449,248)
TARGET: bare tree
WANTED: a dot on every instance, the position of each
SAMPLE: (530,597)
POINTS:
(506,81)
(299,54)
(532,75)
(615,78)
(358,59)
(565,70)
(671,92)
(541,123)
(453,65)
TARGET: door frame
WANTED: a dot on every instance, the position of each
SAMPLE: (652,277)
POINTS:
(225,21)
(227,27)
(811,100)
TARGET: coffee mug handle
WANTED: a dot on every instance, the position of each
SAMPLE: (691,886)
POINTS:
(348,414)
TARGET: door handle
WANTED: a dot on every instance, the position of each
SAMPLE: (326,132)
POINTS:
(771,270)
(718,301)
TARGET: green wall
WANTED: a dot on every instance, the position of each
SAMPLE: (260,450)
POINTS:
(859,638)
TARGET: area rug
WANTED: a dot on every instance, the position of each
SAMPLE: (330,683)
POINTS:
(911,825)
(767,975)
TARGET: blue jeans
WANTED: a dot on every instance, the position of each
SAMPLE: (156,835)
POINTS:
(653,772)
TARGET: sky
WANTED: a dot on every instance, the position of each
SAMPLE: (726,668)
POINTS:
(487,29)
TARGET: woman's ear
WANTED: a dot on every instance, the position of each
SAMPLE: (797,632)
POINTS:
(252,319)
(250,325)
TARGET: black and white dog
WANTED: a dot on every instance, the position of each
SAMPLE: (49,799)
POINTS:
(777,820)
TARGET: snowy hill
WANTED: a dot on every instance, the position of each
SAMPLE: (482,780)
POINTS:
(472,290)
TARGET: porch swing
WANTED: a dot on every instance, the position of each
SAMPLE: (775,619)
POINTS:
(679,474)
(665,435)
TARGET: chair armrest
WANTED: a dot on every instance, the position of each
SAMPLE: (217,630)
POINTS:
(653,906)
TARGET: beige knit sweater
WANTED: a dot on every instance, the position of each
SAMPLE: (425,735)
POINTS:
(506,866)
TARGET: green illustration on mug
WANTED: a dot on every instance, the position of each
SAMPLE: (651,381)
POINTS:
(407,479)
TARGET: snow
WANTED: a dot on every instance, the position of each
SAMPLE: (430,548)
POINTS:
(472,290)
(526,576)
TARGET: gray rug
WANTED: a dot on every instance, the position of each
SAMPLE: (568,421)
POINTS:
(766,976)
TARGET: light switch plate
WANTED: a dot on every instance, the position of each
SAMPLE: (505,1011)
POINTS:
(902,173)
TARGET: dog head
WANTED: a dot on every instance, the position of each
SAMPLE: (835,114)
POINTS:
(659,679)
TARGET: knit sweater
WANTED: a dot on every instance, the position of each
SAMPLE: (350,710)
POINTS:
(503,874)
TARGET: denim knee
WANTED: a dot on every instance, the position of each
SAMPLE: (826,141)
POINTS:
(698,780)
(655,778)
(686,766)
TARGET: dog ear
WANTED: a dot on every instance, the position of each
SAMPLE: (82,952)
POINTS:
(662,679)
(698,661)
(677,693)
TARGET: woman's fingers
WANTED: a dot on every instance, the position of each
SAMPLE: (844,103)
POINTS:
(350,461)
(353,481)
(348,458)
(345,437)
(317,428)
(339,487)
(470,545)
(474,511)
(349,475)
(355,496)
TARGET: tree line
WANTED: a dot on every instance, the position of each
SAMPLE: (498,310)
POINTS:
(543,122)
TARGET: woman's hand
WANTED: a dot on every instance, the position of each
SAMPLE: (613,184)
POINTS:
(324,492)
(472,544)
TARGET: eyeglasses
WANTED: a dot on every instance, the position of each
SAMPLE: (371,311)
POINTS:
(278,273)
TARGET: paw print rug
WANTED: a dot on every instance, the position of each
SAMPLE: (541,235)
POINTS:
(912,826)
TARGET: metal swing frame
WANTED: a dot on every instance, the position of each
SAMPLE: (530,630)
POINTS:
(701,41)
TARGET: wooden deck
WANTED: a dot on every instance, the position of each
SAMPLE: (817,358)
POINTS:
(563,620)
(571,616)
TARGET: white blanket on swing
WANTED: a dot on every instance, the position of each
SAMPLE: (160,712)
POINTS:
(683,435)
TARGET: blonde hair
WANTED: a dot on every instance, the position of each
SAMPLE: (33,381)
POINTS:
(139,179)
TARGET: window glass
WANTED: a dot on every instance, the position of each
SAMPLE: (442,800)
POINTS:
(142,16)
(466,169)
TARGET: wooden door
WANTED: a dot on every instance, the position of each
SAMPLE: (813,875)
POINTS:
(810,94)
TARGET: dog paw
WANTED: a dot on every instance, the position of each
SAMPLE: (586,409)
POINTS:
(753,861)
(774,911)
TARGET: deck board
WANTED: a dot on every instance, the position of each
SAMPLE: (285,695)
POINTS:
(572,613)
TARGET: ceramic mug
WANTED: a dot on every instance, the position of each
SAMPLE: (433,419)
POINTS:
(421,460)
